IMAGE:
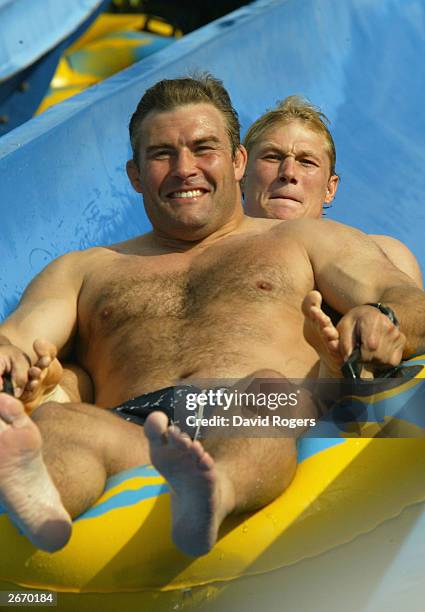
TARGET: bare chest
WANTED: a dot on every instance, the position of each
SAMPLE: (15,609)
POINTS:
(128,290)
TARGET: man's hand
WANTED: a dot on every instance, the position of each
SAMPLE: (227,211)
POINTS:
(379,340)
(15,362)
(31,383)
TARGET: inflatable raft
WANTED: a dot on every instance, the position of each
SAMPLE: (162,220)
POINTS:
(64,187)
(346,484)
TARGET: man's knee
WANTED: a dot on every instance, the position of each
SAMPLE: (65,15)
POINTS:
(117,443)
(265,373)
(68,424)
(57,411)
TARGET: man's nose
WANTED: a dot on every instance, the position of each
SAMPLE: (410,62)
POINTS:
(287,170)
(184,164)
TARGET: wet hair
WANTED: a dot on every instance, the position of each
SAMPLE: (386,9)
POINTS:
(293,108)
(168,94)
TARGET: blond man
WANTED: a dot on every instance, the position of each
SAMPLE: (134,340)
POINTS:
(291,172)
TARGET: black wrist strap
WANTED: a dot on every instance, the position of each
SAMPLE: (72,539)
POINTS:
(387,311)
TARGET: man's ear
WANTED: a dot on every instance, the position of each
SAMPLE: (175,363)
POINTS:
(134,175)
(331,188)
(239,162)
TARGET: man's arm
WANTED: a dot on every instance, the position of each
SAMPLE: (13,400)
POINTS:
(400,256)
(48,310)
(351,271)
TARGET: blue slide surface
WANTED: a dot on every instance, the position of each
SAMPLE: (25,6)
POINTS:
(63,184)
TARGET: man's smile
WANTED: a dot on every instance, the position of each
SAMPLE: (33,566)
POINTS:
(193,193)
(186,196)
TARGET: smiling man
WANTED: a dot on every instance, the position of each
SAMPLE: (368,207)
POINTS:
(207,294)
(291,172)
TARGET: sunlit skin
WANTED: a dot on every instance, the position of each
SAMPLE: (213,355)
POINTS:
(184,174)
(208,294)
(288,174)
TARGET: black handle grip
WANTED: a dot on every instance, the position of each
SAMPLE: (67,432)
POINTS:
(352,367)
(7,384)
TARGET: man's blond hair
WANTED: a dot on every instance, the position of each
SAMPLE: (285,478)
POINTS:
(293,108)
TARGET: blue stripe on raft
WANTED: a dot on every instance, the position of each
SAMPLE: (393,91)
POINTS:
(142,471)
(416,359)
(307,447)
(124,499)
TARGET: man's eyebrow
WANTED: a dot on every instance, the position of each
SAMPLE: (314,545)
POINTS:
(308,153)
(167,146)
(272,146)
(266,146)
(159,145)
(206,139)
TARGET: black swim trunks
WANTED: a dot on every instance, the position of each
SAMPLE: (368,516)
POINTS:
(171,400)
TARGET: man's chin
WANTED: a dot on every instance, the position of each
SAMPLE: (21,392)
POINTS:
(188,227)
(284,213)
(191,221)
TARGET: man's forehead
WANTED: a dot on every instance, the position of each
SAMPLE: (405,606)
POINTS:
(296,132)
(194,118)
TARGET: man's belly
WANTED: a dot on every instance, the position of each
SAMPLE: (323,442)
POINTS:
(152,364)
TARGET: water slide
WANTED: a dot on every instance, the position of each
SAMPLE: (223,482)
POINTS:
(63,187)
(33,37)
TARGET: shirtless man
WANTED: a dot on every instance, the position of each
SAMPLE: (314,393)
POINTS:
(272,171)
(291,172)
(184,302)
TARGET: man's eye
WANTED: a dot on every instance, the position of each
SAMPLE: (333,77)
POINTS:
(272,157)
(161,154)
(308,162)
(204,149)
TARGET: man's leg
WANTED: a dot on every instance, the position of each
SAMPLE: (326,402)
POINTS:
(26,489)
(209,481)
(82,446)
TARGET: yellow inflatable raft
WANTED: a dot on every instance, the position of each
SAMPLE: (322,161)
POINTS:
(121,555)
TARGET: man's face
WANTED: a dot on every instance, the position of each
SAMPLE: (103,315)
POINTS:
(187,174)
(288,174)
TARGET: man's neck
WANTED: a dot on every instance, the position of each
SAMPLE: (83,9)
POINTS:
(173,244)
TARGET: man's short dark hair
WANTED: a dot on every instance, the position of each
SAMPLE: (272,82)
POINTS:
(169,94)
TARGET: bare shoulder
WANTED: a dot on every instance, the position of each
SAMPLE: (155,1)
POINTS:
(68,271)
(391,244)
(256,225)
(86,261)
(99,255)
(400,255)
(305,228)
(78,261)
(144,244)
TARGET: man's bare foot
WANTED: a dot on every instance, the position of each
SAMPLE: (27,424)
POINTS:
(201,496)
(43,377)
(26,489)
(323,336)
